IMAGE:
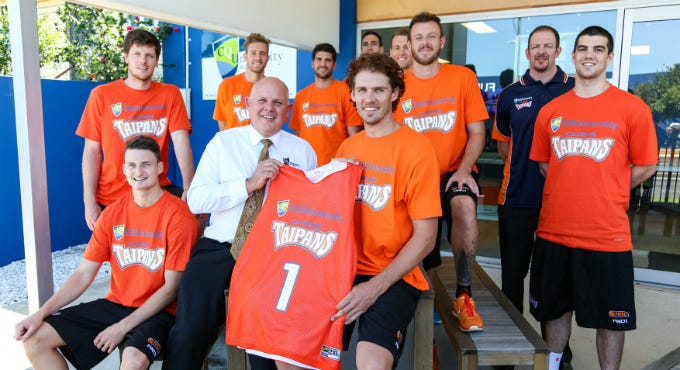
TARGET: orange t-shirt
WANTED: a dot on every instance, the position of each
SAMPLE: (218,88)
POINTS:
(115,113)
(230,104)
(440,107)
(140,244)
(400,183)
(322,117)
(590,145)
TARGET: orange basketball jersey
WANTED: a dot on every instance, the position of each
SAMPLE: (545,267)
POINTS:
(298,262)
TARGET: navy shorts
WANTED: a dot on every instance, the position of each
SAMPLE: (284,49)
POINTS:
(597,286)
(79,325)
(433,259)
(385,322)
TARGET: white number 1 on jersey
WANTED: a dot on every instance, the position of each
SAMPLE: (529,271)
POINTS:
(292,270)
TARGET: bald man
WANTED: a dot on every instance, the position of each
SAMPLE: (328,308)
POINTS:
(228,172)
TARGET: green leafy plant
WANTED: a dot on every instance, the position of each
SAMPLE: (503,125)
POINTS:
(47,42)
(95,50)
(662,94)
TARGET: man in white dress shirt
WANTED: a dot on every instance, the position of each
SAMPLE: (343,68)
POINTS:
(227,174)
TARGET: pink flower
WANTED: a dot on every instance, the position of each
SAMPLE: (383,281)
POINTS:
(102,59)
(130,28)
(137,18)
(176,29)
(156,29)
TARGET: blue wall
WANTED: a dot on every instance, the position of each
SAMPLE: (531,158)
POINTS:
(63,103)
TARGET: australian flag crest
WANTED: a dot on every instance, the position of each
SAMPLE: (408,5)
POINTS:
(237,99)
(555,124)
(282,207)
(118,231)
(117,109)
(406,105)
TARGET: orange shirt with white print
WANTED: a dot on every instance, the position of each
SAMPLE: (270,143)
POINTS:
(140,244)
(322,117)
(230,104)
(439,107)
(116,113)
(399,184)
(590,145)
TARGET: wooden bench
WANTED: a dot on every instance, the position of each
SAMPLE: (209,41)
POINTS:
(423,332)
(507,339)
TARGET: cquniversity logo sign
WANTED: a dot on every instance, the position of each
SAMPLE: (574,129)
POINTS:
(225,51)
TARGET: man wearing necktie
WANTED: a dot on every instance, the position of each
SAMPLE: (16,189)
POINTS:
(232,175)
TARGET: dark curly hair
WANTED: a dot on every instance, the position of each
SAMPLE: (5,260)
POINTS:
(380,63)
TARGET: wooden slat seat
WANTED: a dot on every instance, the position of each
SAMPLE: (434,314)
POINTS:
(507,338)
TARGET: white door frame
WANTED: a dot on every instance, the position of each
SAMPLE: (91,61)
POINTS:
(631,16)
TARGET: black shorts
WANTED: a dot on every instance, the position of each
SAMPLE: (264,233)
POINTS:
(598,286)
(385,322)
(79,325)
(433,259)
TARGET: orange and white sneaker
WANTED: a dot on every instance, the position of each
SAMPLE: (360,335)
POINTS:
(466,312)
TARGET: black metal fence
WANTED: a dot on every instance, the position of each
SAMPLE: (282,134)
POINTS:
(662,191)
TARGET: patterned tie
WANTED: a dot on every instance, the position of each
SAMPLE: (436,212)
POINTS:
(250,210)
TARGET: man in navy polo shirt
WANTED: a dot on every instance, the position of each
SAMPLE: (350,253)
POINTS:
(519,199)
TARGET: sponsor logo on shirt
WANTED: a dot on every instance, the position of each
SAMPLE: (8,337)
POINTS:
(330,352)
(406,105)
(594,148)
(318,243)
(282,207)
(242,114)
(325,120)
(555,124)
(117,109)
(441,122)
(149,127)
(118,231)
(523,102)
(151,259)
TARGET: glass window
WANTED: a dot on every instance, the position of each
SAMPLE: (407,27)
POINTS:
(493,46)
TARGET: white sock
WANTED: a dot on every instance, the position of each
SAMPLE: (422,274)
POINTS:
(555,359)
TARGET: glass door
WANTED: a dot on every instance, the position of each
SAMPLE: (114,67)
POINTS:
(650,68)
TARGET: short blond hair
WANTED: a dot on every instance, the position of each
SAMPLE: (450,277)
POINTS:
(257,37)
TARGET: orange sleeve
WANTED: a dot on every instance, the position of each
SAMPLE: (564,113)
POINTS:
(99,247)
(182,234)
(221,102)
(90,122)
(540,145)
(475,109)
(352,117)
(294,123)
